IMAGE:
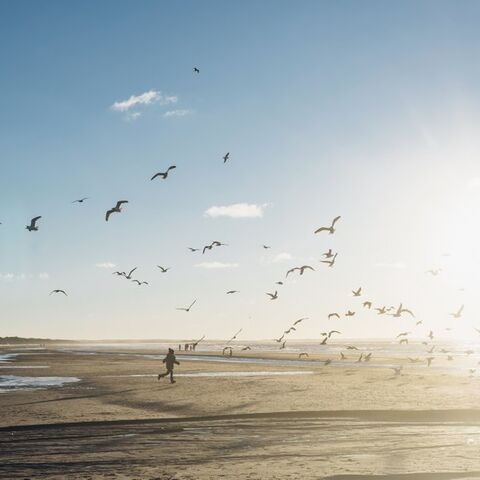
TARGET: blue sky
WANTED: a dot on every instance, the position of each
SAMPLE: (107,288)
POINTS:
(367,110)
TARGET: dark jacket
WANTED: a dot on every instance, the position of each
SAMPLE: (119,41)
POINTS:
(170,361)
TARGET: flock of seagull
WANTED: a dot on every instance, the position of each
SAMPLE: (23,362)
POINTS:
(329,259)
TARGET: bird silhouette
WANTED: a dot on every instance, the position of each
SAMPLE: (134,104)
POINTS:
(350,313)
(138,282)
(300,269)
(116,209)
(266,247)
(246,348)
(303,355)
(187,309)
(273,296)
(193,249)
(331,262)
(403,334)
(458,313)
(367,304)
(196,70)
(296,322)
(357,293)
(232,291)
(329,229)
(33,224)
(331,315)
(226,157)
(129,276)
(163,175)
(401,310)
(80,200)
(328,254)
(330,333)
(163,269)
(382,310)
(403,341)
(59,291)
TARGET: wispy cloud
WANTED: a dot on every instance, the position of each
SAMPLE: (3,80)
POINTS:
(9,277)
(237,210)
(147,98)
(216,265)
(105,265)
(177,113)
(281,257)
(396,265)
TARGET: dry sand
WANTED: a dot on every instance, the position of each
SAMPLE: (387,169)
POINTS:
(329,422)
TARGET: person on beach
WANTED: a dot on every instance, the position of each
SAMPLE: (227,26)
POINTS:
(169,362)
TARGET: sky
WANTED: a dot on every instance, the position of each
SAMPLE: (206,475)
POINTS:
(368,110)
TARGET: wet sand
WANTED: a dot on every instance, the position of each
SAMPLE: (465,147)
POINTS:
(309,422)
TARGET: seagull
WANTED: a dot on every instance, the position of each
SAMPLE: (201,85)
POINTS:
(429,360)
(282,346)
(164,175)
(329,229)
(232,291)
(420,322)
(226,157)
(430,335)
(273,296)
(296,322)
(382,310)
(360,358)
(120,274)
(401,310)
(328,254)
(278,283)
(331,262)
(235,336)
(324,341)
(266,247)
(59,291)
(187,309)
(350,313)
(303,354)
(129,276)
(196,70)
(139,282)
(229,349)
(116,209)
(351,347)
(300,269)
(290,330)
(331,315)
(279,340)
(194,249)
(33,224)
(367,304)
(403,334)
(80,200)
(330,333)
(163,269)
(357,293)
(458,313)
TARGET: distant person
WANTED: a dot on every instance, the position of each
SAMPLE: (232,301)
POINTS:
(186,347)
(179,347)
(170,362)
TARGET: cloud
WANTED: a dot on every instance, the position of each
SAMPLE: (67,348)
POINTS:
(9,277)
(396,265)
(237,210)
(177,113)
(105,265)
(216,265)
(147,98)
(131,117)
(281,257)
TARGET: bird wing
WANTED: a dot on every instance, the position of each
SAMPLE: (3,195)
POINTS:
(109,212)
(171,167)
(335,220)
(321,229)
(34,220)
(131,271)
(155,176)
(120,202)
(193,303)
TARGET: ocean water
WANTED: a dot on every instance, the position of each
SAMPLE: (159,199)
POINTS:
(14,382)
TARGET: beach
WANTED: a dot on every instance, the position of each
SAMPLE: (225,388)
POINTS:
(109,417)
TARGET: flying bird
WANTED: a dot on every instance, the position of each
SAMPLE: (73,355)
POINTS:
(196,70)
(397,370)
(139,282)
(350,313)
(164,175)
(296,322)
(232,291)
(382,310)
(279,340)
(226,157)
(266,247)
(331,315)
(429,360)
(234,337)
(59,291)
(129,276)
(278,283)
(116,209)
(80,200)
(33,224)
(367,304)
(163,269)
(351,347)
(328,254)
(273,296)
(331,262)
(194,249)
(300,269)
(458,313)
(329,229)
(303,354)
(246,348)
(401,310)
(403,334)
(330,333)
(189,307)
(357,293)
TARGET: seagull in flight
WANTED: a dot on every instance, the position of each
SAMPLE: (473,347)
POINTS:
(129,276)
(116,209)
(164,175)
(331,262)
(401,310)
(357,293)
(330,229)
(458,313)
(330,333)
(139,282)
(232,291)
(189,307)
(59,291)
(328,254)
(350,313)
(296,322)
(382,310)
(33,224)
(331,315)
(226,157)
(300,269)
(266,247)
(273,296)
(80,200)
(279,340)
(278,283)
(196,70)
(367,304)
(163,269)
(303,355)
